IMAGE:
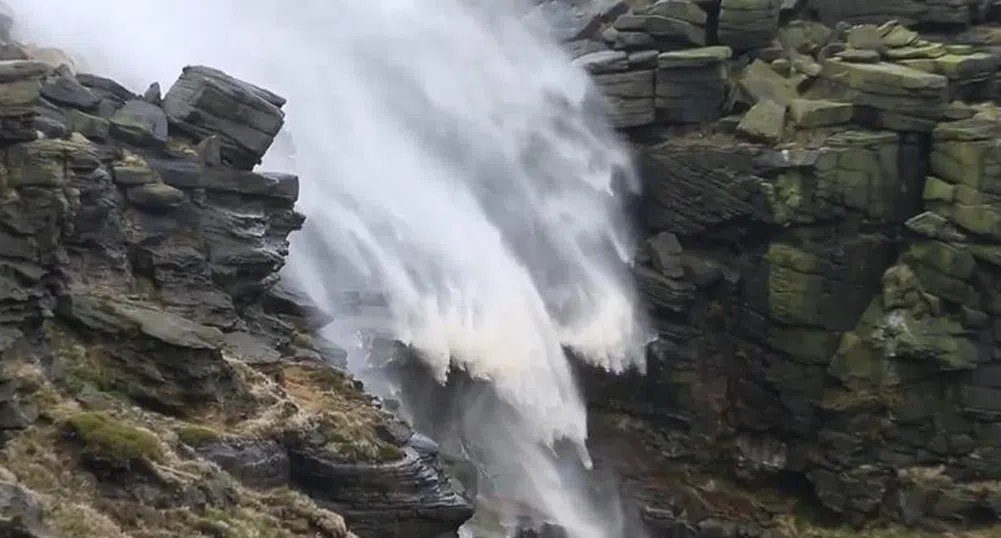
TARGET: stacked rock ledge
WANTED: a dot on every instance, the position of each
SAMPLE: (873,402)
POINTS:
(822,220)
(157,378)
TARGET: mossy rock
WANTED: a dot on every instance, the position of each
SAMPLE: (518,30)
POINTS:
(111,440)
(810,114)
(936,190)
(952,260)
(194,435)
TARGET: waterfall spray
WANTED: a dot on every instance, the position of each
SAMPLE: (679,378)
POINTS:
(452,163)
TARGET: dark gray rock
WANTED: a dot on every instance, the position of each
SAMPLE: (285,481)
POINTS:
(155,196)
(68,91)
(112,94)
(693,86)
(186,356)
(210,151)
(93,127)
(253,349)
(153,95)
(21,513)
(119,318)
(285,300)
(628,96)
(52,120)
(21,82)
(410,497)
(200,104)
(262,464)
(141,124)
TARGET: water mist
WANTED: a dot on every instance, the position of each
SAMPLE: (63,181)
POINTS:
(452,162)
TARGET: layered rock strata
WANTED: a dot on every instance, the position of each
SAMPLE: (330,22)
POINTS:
(821,222)
(155,378)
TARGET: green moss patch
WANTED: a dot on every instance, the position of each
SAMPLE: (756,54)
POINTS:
(111,440)
(194,436)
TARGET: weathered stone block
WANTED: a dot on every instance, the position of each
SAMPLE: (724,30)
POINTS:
(748,24)
(629,96)
(808,113)
(886,87)
(206,101)
(692,86)
(765,122)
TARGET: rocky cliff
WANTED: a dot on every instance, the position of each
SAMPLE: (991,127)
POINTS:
(155,380)
(822,261)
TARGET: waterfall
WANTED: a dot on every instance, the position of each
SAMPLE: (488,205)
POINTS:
(452,163)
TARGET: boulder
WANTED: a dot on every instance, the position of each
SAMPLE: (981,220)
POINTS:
(68,91)
(748,24)
(140,123)
(21,512)
(765,121)
(758,81)
(112,94)
(205,102)
(629,97)
(692,86)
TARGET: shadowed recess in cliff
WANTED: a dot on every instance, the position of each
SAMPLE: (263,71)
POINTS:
(452,162)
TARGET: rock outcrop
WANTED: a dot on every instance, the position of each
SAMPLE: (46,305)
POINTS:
(821,264)
(155,378)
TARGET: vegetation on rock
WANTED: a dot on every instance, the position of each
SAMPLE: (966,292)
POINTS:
(146,389)
(111,440)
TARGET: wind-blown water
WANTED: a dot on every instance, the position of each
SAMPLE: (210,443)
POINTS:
(451,160)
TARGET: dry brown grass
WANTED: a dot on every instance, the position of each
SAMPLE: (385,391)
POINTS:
(103,466)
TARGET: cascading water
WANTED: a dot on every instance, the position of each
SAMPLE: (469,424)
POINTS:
(452,162)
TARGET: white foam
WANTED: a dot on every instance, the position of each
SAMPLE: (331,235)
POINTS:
(445,161)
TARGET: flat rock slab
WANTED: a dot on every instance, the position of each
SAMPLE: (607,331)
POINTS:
(818,113)
(116,317)
(765,121)
(888,87)
(68,91)
(701,57)
(141,124)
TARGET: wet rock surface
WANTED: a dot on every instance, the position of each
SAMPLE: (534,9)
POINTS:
(155,378)
(819,261)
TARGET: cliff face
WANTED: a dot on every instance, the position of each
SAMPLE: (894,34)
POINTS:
(822,263)
(154,379)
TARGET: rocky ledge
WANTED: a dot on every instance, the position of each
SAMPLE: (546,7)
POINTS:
(822,262)
(155,380)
